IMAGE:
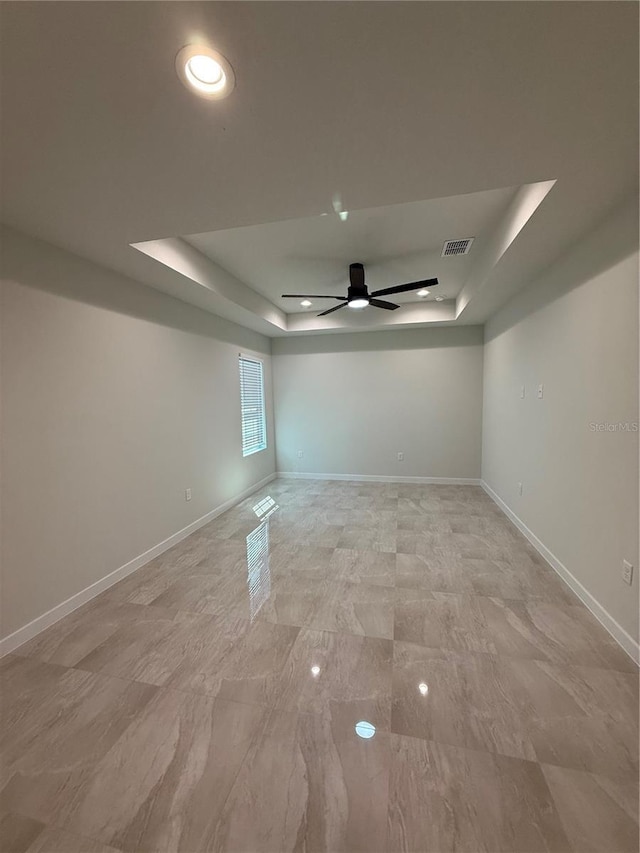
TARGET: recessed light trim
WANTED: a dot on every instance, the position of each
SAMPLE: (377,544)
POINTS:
(205,71)
(439,298)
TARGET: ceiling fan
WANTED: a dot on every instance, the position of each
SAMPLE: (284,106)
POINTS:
(358,295)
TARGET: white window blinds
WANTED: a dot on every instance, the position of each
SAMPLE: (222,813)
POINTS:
(254,429)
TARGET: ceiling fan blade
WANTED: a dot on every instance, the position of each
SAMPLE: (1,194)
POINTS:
(404,288)
(356,275)
(380,303)
(330,310)
(309,296)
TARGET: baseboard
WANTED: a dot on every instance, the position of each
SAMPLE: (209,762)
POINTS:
(40,623)
(622,637)
(380,478)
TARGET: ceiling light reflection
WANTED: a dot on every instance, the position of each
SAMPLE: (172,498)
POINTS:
(365,730)
(423,688)
(315,670)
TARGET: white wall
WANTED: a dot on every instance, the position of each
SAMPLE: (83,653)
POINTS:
(350,402)
(576,331)
(116,398)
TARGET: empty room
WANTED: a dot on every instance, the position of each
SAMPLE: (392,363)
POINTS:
(319,427)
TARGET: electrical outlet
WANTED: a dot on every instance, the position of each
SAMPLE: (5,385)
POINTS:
(300,454)
(540,391)
(627,572)
(400,456)
(187,494)
(520,488)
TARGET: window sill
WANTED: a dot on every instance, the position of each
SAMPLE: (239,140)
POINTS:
(252,452)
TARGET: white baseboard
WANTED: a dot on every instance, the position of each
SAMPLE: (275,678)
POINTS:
(622,637)
(31,629)
(380,478)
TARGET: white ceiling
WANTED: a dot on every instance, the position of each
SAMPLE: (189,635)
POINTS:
(380,103)
(397,244)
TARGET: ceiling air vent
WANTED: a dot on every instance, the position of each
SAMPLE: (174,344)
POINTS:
(457,247)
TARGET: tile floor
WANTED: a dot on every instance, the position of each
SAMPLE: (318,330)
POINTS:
(210,701)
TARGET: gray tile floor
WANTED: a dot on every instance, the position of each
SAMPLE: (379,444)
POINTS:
(211,700)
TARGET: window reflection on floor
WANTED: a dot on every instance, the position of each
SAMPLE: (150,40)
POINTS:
(266,507)
(258,572)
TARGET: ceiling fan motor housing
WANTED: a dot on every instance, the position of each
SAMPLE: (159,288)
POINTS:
(357,288)
(356,291)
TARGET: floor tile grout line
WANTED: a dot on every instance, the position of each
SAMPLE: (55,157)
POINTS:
(449,650)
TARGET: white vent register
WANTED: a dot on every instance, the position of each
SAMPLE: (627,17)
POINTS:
(457,247)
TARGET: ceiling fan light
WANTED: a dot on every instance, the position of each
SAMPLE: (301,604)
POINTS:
(358,303)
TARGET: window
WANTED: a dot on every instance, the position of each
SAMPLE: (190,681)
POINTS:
(254,428)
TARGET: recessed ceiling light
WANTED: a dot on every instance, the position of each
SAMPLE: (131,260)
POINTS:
(423,688)
(439,298)
(422,292)
(306,304)
(205,71)
(358,303)
(315,670)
